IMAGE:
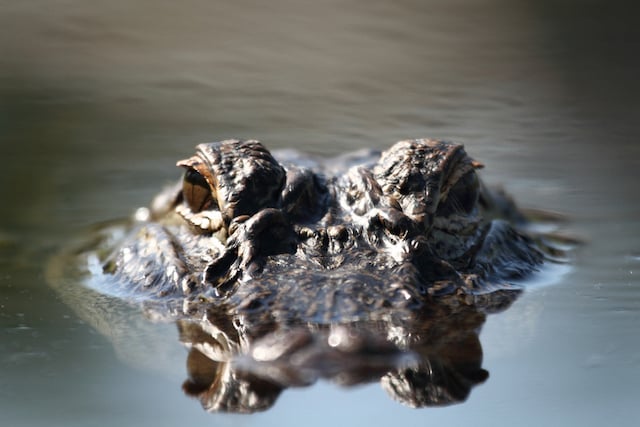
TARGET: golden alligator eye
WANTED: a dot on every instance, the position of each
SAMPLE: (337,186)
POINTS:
(462,197)
(197,192)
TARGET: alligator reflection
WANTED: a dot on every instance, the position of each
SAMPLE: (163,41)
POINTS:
(241,363)
(432,360)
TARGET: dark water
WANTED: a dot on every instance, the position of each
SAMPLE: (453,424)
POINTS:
(97,101)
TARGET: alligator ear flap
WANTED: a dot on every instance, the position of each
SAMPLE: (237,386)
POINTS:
(476,164)
(196,163)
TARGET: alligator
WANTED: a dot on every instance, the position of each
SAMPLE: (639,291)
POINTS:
(366,266)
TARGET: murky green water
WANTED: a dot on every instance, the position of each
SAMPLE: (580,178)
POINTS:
(97,101)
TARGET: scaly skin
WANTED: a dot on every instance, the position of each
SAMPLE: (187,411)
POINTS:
(248,233)
(377,266)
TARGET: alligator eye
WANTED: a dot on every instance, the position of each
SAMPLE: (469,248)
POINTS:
(196,191)
(462,197)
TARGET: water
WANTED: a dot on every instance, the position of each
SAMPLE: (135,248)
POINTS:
(97,101)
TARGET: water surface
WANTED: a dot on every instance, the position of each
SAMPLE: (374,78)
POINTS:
(98,101)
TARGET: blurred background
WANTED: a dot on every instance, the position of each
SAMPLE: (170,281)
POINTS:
(99,99)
